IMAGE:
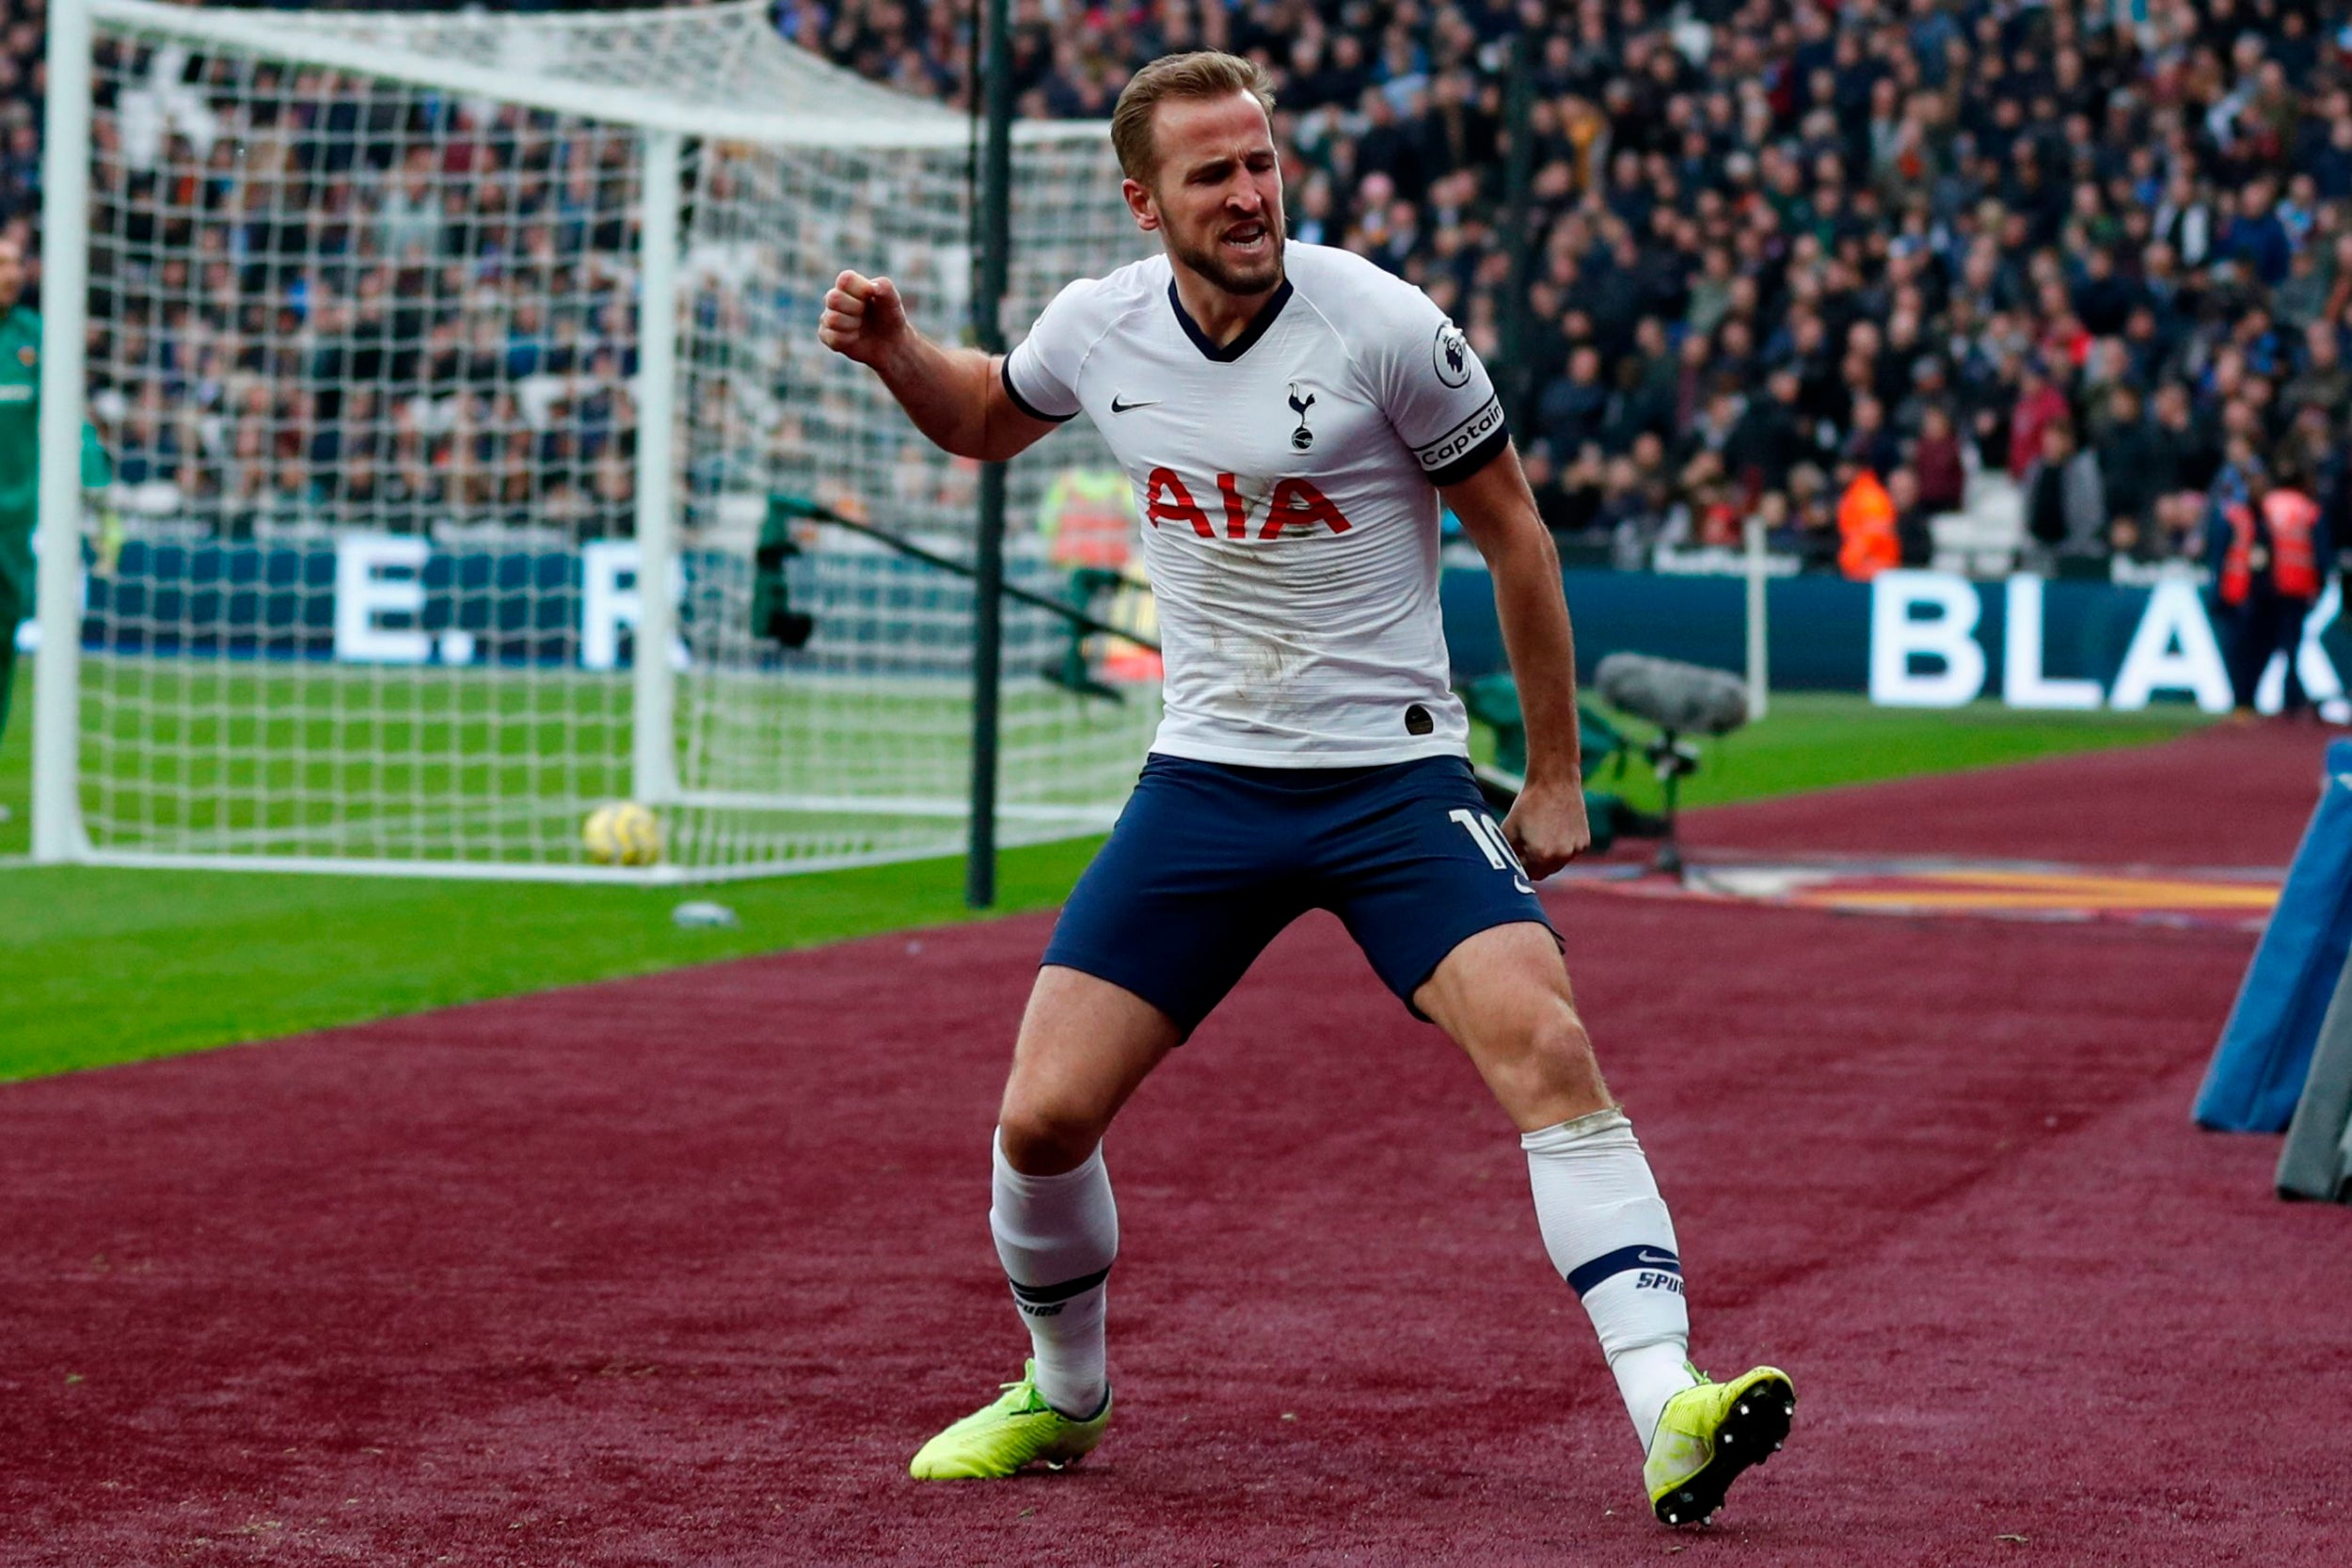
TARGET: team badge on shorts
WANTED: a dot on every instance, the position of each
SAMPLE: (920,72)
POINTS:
(26,354)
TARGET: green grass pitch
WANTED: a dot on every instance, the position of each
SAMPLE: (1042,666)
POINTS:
(318,760)
(100,966)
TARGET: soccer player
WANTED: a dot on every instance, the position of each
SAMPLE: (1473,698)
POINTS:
(1292,418)
(19,463)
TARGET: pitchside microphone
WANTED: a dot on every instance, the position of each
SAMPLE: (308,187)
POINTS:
(1683,699)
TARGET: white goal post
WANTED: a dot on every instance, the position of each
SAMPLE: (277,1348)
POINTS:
(449,364)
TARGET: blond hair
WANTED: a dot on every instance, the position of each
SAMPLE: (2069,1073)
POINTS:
(1204,74)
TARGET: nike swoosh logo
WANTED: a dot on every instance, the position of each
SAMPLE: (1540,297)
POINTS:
(1119,407)
(1523,884)
(1657,1260)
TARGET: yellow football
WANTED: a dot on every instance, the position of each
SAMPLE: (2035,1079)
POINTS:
(621,832)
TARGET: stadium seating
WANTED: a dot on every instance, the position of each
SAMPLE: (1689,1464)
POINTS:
(2007,212)
(1768,246)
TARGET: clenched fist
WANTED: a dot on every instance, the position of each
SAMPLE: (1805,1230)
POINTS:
(865,319)
(1547,827)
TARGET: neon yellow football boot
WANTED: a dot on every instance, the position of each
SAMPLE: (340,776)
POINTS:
(1018,1429)
(1709,1434)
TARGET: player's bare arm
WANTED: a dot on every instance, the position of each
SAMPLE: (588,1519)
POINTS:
(1546,825)
(955,396)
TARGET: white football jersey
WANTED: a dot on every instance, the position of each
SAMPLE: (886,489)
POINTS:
(1286,482)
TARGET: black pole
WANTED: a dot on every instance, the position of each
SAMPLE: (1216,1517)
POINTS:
(980,868)
(1518,172)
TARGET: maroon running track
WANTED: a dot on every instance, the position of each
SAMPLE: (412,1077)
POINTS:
(680,1270)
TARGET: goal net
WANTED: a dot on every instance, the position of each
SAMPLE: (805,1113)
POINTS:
(452,365)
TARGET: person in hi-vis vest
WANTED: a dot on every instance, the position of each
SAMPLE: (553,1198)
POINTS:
(1088,518)
(2272,554)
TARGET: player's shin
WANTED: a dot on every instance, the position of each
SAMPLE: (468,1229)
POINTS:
(1057,1236)
(1608,1233)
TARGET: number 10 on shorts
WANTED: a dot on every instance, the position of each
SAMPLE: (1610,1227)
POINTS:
(1489,840)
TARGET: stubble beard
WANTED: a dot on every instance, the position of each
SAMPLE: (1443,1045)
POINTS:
(1211,263)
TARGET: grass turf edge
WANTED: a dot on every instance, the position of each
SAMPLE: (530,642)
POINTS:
(105,966)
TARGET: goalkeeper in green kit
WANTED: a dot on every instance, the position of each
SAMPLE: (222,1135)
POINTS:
(20,462)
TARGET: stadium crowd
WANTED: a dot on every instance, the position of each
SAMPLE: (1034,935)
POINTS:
(1816,266)
(313,307)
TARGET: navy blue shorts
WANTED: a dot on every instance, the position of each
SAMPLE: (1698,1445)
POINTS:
(1210,861)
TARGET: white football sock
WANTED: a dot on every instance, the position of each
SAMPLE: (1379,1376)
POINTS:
(1057,1236)
(1610,1236)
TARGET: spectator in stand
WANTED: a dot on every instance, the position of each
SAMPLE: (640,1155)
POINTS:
(2127,447)
(2039,406)
(1914,541)
(2066,512)
(2320,380)
(1938,467)
(1869,443)
(1574,410)
(1770,439)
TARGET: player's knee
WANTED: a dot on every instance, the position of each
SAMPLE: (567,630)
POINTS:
(1551,1076)
(1559,1048)
(1045,1140)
